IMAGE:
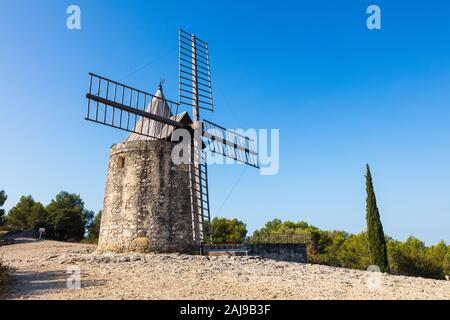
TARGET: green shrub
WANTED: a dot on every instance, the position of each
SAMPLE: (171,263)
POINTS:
(341,249)
(347,251)
(4,276)
(446,264)
(227,231)
(413,258)
(89,241)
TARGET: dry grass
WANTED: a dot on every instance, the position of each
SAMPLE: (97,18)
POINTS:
(89,241)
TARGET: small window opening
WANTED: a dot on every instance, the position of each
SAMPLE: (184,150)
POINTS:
(121,162)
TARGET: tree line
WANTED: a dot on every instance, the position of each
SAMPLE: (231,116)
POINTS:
(357,251)
(342,249)
(65,218)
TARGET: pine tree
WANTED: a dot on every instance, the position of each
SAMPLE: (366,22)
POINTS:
(375,234)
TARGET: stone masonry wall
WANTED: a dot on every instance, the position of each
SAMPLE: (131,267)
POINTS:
(147,200)
(282,252)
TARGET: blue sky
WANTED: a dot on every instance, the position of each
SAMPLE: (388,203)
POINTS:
(340,94)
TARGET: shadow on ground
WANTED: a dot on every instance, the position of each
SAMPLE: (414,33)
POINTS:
(24,285)
(18,237)
(20,240)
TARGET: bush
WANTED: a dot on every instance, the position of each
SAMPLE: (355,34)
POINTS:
(446,263)
(340,249)
(413,258)
(227,231)
(319,240)
(354,252)
(4,276)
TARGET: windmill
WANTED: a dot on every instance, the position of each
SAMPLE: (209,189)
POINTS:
(153,117)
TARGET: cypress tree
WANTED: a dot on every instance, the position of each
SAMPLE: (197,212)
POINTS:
(375,234)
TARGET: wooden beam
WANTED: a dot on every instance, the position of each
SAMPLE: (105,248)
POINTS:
(135,111)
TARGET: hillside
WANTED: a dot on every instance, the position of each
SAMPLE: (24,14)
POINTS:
(40,273)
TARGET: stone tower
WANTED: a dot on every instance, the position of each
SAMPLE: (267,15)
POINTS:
(147,205)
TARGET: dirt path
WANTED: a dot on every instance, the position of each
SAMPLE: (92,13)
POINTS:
(41,273)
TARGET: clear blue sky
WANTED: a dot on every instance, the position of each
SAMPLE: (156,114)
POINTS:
(340,94)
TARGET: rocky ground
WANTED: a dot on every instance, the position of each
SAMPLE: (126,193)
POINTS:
(41,272)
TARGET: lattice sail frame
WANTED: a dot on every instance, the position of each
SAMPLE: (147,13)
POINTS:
(120,106)
(195,87)
(195,90)
(230,144)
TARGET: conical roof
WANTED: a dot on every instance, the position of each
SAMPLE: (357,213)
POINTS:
(155,129)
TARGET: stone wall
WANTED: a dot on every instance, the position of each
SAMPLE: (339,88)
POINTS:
(147,200)
(282,252)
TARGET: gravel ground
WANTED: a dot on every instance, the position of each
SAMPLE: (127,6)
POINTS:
(41,273)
